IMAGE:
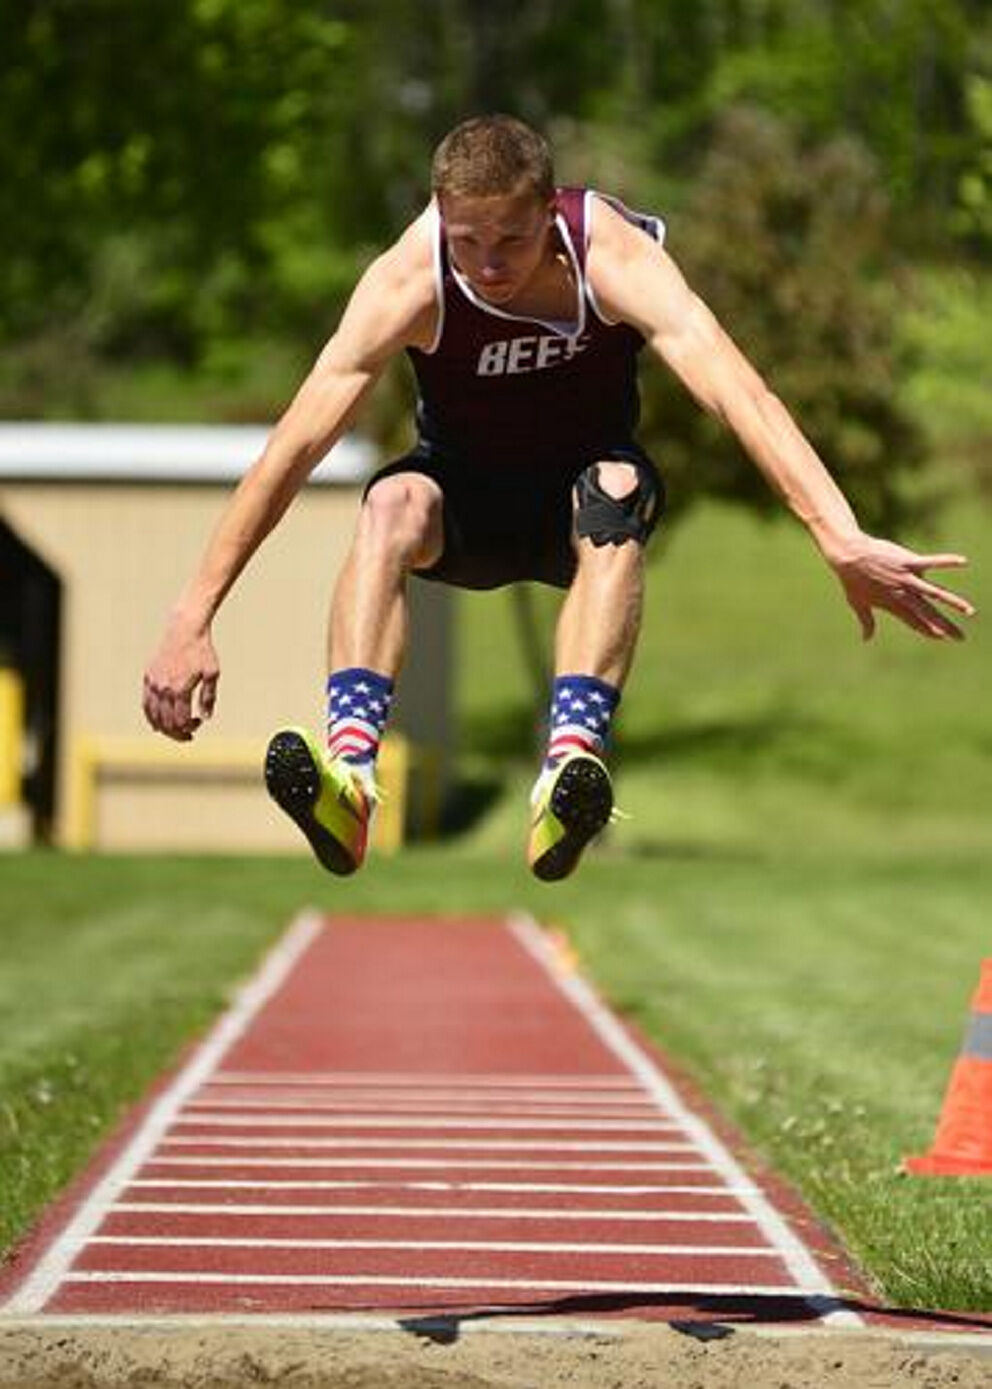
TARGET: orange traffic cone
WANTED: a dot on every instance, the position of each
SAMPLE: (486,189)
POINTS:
(963,1143)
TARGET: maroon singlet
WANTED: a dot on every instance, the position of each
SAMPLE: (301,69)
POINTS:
(498,390)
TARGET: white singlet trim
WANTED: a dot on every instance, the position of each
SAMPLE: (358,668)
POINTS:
(434,214)
(658,231)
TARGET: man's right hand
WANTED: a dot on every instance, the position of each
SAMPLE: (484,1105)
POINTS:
(184,669)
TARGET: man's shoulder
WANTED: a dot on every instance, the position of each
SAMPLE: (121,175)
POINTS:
(410,258)
(626,253)
(402,278)
(615,225)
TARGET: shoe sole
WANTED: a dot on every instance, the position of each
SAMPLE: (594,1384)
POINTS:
(292,779)
(582,802)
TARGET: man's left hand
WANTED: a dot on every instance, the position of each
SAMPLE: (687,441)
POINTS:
(880,574)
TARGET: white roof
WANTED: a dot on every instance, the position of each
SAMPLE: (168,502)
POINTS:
(156,453)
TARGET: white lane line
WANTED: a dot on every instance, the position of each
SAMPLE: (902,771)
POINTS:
(41,1283)
(415,1102)
(445,1246)
(336,1212)
(499,1323)
(441,1145)
(422,1123)
(411,1115)
(616,1285)
(797,1258)
(491,1165)
(317,1185)
(428,1094)
(450,1084)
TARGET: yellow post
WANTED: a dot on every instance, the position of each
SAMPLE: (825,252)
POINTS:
(11,735)
(82,769)
(390,818)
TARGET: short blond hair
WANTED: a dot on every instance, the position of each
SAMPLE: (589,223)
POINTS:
(492,156)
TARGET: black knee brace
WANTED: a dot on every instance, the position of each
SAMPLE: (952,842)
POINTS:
(607,520)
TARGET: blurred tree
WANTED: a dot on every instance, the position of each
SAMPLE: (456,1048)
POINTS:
(789,245)
(973,218)
(175,129)
(183,177)
(893,72)
(180,174)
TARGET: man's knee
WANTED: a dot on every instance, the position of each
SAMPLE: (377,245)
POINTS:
(615,478)
(615,502)
(402,514)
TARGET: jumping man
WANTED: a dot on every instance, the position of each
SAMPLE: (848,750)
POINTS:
(522,307)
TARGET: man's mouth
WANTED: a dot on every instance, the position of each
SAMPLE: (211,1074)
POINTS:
(498,286)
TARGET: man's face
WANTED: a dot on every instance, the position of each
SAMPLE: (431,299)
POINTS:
(497,243)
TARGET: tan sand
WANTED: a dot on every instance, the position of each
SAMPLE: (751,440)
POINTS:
(636,1356)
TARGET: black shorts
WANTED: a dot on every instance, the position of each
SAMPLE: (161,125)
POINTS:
(501,527)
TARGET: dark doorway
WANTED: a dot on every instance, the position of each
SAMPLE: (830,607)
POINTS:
(30,617)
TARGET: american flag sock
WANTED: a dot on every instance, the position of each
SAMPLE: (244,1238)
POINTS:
(581,709)
(358,703)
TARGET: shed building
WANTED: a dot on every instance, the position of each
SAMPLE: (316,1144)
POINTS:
(100,525)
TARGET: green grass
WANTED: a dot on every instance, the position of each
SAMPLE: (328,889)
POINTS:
(796,911)
(109,966)
(819,1001)
(802,891)
(751,676)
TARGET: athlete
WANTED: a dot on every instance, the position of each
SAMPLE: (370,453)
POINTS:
(522,307)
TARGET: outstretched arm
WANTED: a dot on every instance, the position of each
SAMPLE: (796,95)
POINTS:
(390,308)
(638,282)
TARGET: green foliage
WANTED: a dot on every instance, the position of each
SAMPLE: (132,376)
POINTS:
(789,245)
(973,219)
(888,73)
(187,178)
(946,326)
(180,128)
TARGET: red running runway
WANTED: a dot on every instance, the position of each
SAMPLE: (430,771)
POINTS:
(427,1117)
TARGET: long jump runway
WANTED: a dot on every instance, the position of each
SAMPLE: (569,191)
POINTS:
(423,1117)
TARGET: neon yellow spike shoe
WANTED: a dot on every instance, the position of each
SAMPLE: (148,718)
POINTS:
(572,804)
(326,799)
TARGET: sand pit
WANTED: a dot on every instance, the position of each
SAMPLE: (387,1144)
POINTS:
(634,1357)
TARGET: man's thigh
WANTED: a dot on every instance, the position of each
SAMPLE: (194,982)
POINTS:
(500,525)
(512,524)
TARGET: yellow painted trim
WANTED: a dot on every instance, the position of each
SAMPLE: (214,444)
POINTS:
(392,770)
(81,785)
(11,735)
(90,756)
